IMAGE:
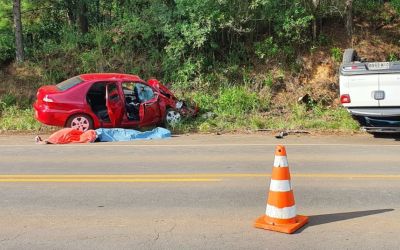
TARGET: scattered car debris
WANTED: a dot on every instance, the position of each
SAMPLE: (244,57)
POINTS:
(282,134)
(304,99)
(208,115)
(264,130)
(307,100)
(297,132)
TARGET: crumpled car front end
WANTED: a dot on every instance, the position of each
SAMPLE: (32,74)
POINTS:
(187,108)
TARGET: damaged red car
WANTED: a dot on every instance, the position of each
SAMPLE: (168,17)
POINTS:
(109,100)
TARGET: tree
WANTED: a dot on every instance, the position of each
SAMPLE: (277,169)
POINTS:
(82,17)
(19,48)
(349,18)
(315,6)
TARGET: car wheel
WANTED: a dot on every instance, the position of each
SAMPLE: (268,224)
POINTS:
(80,122)
(172,117)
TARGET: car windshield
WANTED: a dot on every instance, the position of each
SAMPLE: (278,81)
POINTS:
(67,84)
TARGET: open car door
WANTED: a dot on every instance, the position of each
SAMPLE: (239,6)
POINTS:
(149,111)
(115,104)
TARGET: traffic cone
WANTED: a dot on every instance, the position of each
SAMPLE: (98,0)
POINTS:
(280,214)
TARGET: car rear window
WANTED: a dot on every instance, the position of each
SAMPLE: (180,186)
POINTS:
(67,84)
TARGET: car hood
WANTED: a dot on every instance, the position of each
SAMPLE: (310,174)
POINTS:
(161,88)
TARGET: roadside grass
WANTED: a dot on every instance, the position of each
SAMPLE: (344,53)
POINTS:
(326,119)
(299,117)
(16,118)
(228,109)
(334,119)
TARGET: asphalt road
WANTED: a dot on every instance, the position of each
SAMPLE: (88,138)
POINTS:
(197,192)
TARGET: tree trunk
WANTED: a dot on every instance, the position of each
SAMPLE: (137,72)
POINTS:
(71,8)
(314,29)
(315,6)
(349,19)
(19,47)
(82,17)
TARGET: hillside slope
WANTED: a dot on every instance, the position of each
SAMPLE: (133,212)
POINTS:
(299,94)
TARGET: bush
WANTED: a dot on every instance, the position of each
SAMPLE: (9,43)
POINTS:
(392,57)
(14,118)
(236,101)
(7,100)
(6,45)
(266,49)
(293,26)
(336,54)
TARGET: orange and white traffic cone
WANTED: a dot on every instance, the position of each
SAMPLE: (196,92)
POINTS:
(280,214)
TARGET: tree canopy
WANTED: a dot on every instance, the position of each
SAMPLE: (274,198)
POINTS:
(175,39)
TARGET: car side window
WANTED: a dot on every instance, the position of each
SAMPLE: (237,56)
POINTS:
(129,92)
(144,92)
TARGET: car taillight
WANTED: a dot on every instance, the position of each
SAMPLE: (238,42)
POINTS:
(46,98)
(345,98)
(355,67)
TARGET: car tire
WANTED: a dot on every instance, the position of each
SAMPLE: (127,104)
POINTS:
(80,122)
(172,117)
(349,55)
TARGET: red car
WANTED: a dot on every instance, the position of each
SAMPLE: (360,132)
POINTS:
(107,100)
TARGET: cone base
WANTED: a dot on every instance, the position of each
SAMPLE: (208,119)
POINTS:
(283,228)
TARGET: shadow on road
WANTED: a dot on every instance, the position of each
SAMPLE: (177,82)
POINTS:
(315,220)
(389,136)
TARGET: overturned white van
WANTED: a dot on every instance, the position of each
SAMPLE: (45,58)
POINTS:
(371,92)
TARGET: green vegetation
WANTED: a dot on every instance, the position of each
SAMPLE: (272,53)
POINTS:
(299,118)
(15,118)
(234,58)
(336,54)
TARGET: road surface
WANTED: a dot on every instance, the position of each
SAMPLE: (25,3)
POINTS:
(197,192)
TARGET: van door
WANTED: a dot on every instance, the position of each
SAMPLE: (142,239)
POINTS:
(389,84)
(361,89)
(115,104)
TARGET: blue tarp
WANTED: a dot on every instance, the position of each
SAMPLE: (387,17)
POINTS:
(120,134)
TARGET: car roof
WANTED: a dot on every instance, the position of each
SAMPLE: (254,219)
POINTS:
(109,76)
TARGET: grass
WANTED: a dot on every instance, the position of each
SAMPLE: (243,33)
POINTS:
(226,110)
(318,118)
(335,119)
(299,118)
(15,118)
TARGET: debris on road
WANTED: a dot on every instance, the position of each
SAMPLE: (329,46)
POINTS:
(284,133)
(281,134)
